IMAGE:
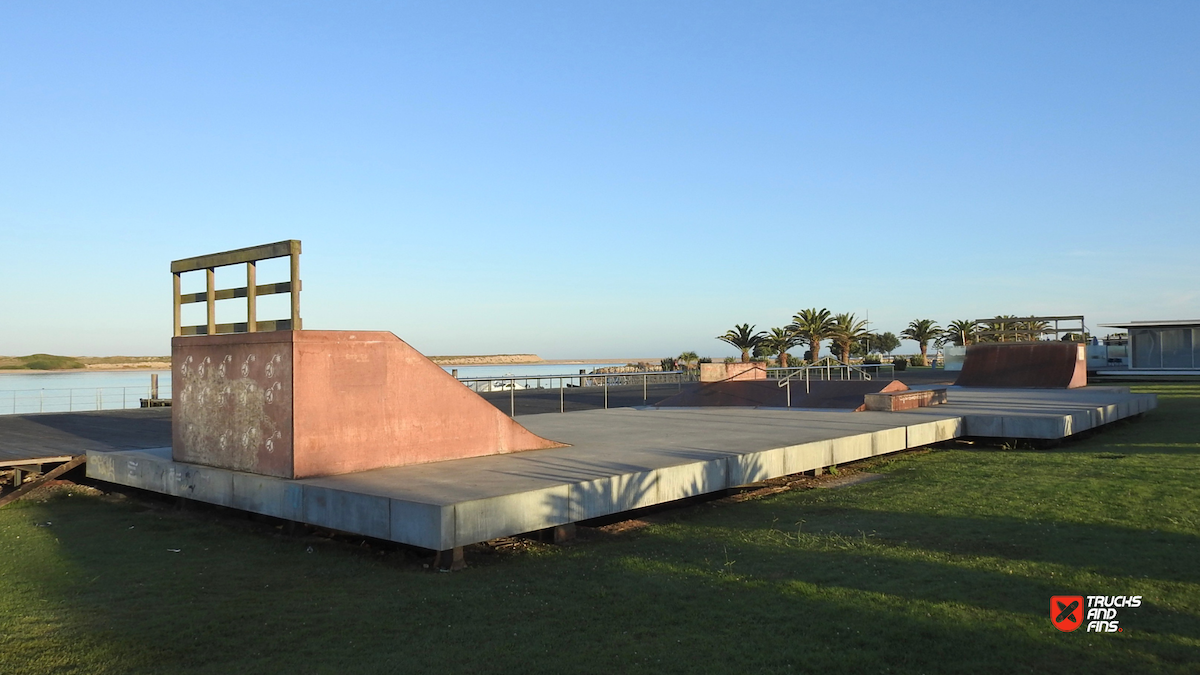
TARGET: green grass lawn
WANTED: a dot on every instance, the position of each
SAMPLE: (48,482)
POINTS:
(947,565)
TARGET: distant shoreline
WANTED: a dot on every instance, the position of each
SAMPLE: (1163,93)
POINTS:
(111,364)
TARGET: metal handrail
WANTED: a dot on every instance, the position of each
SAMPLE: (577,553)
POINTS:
(613,379)
(75,399)
(605,380)
(806,370)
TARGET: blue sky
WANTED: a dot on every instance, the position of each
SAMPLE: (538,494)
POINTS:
(603,179)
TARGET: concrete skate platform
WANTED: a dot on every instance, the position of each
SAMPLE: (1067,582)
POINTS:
(618,460)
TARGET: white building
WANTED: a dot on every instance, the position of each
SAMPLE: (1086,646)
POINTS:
(1163,345)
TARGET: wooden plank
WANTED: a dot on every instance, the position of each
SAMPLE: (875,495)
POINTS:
(231,293)
(210,297)
(997,319)
(49,476)
(295,279)
(242,255)
(35,460)
(1027,330)
(252,296)
(176,303)
(239,327)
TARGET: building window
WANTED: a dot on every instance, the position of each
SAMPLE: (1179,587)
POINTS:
(1176,348)
(1146,353)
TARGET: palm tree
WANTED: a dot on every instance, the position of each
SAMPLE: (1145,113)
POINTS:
(847,329)
(744,338)
(921,331)
(1000,327)
(688,358)
(960,332)
(812,326)
(780,341)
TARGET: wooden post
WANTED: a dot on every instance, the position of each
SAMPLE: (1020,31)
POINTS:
(211,299)
(251,298)
(295,259)
(563,533)
(450,560)
(178,306)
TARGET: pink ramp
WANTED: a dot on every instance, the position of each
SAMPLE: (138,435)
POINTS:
(296,404)
(1028,365)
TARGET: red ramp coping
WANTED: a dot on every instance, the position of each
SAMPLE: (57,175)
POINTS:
(296,404)
(847,394)
(1025,365)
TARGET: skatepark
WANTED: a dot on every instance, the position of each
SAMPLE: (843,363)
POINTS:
(360,433)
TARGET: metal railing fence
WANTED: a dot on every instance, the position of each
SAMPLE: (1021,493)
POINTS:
(75,399)
(844,371)
(514,383)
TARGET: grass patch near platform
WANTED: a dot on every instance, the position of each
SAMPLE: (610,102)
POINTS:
(947,565)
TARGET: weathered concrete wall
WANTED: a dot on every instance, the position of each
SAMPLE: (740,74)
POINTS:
(311,403)
(232,404)
(729,372)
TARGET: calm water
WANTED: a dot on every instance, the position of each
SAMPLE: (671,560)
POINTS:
(16,381)
(519,370)
(83,390)
(69,391)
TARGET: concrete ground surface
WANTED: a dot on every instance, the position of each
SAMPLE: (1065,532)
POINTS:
(60,434)
(618,460)
(41,435)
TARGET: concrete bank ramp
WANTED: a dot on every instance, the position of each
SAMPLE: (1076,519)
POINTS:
(845,395)
(295,404)
(1026,365)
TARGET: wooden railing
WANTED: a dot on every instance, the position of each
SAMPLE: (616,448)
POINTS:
(249,257)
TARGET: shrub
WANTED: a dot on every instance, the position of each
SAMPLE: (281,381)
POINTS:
(917,360)
(871,359)
(900,362)
(49,362)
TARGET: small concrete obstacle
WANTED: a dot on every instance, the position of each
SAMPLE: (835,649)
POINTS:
(842,394)
(1025,365)
(730,372)
(896,401)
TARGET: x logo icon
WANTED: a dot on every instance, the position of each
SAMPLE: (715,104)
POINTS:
(1067,612)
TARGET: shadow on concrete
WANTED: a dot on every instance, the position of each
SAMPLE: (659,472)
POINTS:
(51,434)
